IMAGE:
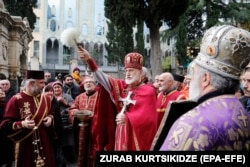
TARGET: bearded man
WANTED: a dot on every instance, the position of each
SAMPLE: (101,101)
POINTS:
(219,121)
(168,92)
(27,121)
(135,102)
(70,87)
(99,134)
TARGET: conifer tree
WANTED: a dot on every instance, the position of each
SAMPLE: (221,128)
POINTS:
(120,42)
(23,8)
(153,12)
(201,15)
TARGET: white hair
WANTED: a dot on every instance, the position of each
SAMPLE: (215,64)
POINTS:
(27,81)
(145,73)
(225,84)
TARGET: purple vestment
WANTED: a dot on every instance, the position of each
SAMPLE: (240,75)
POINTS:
(219,123)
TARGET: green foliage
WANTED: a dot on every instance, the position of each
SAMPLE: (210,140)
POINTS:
(120,43)
(238,12)
(219,12)
(187,29)
(121,12)
(23,8)
(181,41)
(246,26)
(212,10)
(139,36)
(126,13)
(166,63)
(191,26)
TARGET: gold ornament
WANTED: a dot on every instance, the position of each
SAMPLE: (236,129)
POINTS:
(211,51)
(39,162)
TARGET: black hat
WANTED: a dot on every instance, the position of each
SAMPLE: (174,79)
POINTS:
(33,74)
(178,78)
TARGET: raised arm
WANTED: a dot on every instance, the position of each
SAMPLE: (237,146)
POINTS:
(99,76)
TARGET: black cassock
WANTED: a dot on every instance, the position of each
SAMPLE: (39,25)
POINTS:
(173,111)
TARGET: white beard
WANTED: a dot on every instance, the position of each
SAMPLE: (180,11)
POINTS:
(132,79)
(36,90)
(89,89)
(194,91)
(162,88)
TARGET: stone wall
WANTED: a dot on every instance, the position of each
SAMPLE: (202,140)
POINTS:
(15,35)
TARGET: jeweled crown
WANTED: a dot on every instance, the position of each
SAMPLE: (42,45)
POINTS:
(223,49)
(133,60)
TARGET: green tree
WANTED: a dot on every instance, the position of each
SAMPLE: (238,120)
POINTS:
(191,32)
(191,27)
(237,12)
(23,8)
(153,12)
(139,38)
(226,12)
(166,64)
(120,42)
(188,32)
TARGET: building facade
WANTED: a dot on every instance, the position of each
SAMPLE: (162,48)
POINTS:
(15,35)
(48,53)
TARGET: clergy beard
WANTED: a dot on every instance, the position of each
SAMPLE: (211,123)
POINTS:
(195,89)
(35,90)
(89,89)
(133,79)
(163,88)
(166,89)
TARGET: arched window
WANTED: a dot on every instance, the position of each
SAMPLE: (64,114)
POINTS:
(96,47)
(52,50)
(87,46)
(66,54)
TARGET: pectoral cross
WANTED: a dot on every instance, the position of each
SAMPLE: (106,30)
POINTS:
(126,101)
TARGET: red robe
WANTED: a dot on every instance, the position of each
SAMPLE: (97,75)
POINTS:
(18,108)
(139,130)
(163,100)
(102,125)
(141,119)
(184,91)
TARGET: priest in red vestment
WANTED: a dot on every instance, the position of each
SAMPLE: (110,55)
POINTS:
(135,101)
(27,121)
(99,132)
(168,92)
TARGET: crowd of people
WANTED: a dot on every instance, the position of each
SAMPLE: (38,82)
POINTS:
(56,122)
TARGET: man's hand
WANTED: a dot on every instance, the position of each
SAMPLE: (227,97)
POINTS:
(120,118)
(47,121)
(28,123)
(83,54)
(62,100)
